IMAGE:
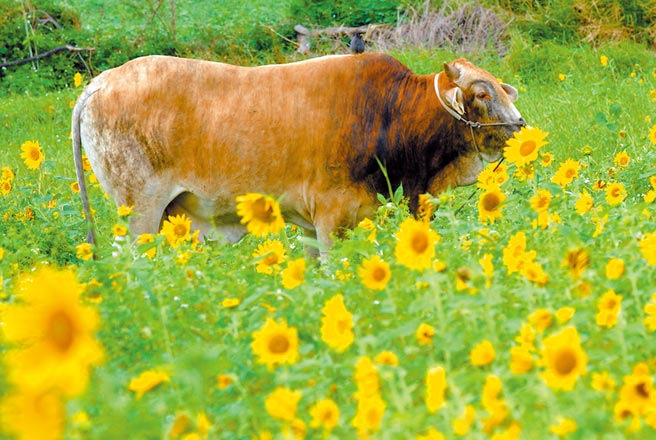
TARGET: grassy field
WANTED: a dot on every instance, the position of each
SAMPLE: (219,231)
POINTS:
(538,324)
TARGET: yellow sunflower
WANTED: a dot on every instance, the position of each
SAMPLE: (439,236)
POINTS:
(482,354)
(541,319)
(547,159)
(523,148)
(325,414)
(638,389)
(652,134)
(490,205)
(615,268)
(525,173)
(54,331)
(435,388)
(260,213)
(294,274)
(415,246)
(84,251)
(375,273)
(146,381)
(149,251)
(7,174)
(622,159)
(369,415)
(337,324)
(514,254)
(563,359)
(5,186)
(275,343)
(462,425)
(603,382)
(119,230)
(615,194)
(281,404)
(77,79)
(563,427)
(124,211)
(32,154)
(366,378)
(584,203)
(608,309)
(387,358)
(425,207)
(31,414)
(541,201)
(177,230)
(269,256)
(521,360)
(647,245)
(425,333)
(493,175)
(577,260)
(567,172)
(370,226)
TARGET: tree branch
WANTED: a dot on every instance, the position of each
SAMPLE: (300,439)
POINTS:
(46,54)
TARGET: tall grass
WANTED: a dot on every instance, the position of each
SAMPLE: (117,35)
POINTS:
(168,313)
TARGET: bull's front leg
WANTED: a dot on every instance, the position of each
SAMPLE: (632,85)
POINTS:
(338,211)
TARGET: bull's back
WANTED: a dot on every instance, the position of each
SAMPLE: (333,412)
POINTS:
(213,121)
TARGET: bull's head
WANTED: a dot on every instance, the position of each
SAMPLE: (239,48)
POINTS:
(478,99)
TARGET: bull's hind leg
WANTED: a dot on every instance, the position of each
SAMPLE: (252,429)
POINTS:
(146,218)
(148,211)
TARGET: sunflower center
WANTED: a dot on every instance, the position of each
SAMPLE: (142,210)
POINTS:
(378,274)
(569,173)
(373,416)
(278,344)
(611,304)
(491,202)
(419,242)
(565,362)
(326,415)
(263,211)
(342,325)
(271,259)
(180,230)
(642,391)
(61,331)
(527,148)
(34,154)
(615,192)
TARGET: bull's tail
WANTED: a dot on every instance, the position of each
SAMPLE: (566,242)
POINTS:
(77,156)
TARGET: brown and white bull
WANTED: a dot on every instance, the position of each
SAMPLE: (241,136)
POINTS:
(170,135)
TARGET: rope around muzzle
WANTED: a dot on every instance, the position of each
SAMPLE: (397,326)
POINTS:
(471,125)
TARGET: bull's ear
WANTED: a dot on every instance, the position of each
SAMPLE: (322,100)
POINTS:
(452,93)
(510,90)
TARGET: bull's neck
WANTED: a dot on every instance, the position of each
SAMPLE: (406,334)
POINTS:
(423,138)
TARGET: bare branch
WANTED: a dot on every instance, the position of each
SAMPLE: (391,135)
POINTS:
(46,54)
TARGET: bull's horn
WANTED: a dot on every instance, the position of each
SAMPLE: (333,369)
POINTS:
(452,72)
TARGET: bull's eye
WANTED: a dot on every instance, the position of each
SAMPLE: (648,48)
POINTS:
(483,96)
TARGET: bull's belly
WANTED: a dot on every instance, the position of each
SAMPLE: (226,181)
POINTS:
(217,217)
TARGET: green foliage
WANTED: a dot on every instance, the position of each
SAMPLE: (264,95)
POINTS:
(343,12)
(27,31)
(589,20)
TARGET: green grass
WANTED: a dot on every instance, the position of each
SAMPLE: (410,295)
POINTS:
(160,314)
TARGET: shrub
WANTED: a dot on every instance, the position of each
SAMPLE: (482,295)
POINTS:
(464,27)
